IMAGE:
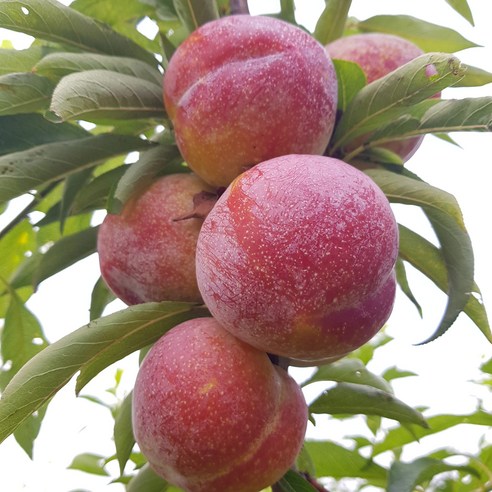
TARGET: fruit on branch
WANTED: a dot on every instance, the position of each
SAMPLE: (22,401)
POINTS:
(297,257)
(210,412)
(144,253)
(244,89)
(378,54)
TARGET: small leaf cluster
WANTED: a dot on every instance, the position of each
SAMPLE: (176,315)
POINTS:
(86,96)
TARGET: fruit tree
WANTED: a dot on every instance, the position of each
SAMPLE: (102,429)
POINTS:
(248,192)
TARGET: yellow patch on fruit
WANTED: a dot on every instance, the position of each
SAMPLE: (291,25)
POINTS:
(206,388)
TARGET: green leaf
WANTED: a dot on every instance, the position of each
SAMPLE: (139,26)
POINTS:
(23,131)
(428,259)
(349,398)
(428,36)
(288,11)
(331,23)
(73,184)
(401,277)
(399,436)
(101,296)
(194,13)
(21,60)
(351,79)
(30,169)
(462,7)
(146,479)
(58,65)
(51,20)
(444,213)
(14,246)
(348,370)
(333,460)
(123,432)
(162,159)
(395,373)
(89,463)
(65,252)
(105,95)
(474,77)
(377,105)
(404,477)
(24,93)
(90,349)
(28,431)
(294,482)
(472,114)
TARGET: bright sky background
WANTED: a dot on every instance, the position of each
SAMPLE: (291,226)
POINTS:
(446,366)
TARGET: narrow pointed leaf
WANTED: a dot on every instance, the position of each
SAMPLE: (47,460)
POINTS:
(444,213)
(23,131)
(89,463)
(65,252)
(404,477)
(349,398)
(146,479)
(123,432)
(401,277)
(105,95)
(51,20)
(389,97)
(428,36)
(333,460)
(162,159)
(58,65)
(194,13)
(24,93)
(101,296)
(462,7)
(288,11)
(294,482)
(348,370)
(12,60)
(30,169)
(449,115)
(428,259)
(89,349)
(73,184)
(28,431)
(331,23)
(474,77)
(351,79)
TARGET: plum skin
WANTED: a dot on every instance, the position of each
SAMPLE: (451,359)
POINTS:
(243,89)
(144,255)
(378,54)
(297,257)
(210,412)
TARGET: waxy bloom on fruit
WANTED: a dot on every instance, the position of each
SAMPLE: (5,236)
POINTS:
(379,54)
(212,413)
(297,257)
(144,253)
(244,89)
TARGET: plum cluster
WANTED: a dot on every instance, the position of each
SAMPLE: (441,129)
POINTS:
(295,259)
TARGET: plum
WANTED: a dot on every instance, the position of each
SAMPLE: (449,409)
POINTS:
(297,257)
(243,89)
(144,254)
(210,412)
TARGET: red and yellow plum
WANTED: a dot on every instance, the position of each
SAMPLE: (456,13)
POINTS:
(244,89)
(297,257)
(210,412)
(144,254)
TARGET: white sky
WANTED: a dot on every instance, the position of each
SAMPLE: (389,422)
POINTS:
(445,366)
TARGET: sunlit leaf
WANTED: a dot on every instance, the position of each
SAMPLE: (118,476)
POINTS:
(351,79)
(105,95)
(349,371)
(24,93)
(462,7)
(60,64)
(349,398)
(53,21)
(123,432)
(331,22)
(72,185)
(89,463)
(12,60)
(428,36)
(89,350)
(376,104)
(474,77)
(30,169)
(404,477)
(194,13)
